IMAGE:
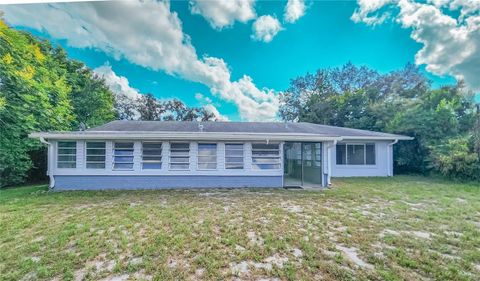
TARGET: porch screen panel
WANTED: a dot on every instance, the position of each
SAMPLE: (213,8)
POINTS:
(265,156)
(123,156)
(95,155)
(180,156)
(151,155)
(207,156)
(234,156)
(67,154)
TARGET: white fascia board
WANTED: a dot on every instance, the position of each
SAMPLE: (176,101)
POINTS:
(182,136)
(398,137)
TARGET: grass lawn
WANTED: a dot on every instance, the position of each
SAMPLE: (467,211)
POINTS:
(401,228)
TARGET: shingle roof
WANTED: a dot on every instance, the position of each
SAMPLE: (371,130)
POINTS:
(238,127)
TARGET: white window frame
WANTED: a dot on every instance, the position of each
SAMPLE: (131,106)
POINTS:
(133,156)
(278,158)
(364,154)
(184,163)
(199,155)
(152,161)
(104,162)
(237,149)
(74,154)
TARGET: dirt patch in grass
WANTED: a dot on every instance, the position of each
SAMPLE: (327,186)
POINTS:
(401,228)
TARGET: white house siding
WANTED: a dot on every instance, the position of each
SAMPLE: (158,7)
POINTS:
(383,165)
(137,170)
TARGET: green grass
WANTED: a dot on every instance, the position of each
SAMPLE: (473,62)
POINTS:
(401,228)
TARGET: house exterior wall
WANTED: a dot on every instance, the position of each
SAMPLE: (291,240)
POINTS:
(82,177)
(383,165)
(96,182)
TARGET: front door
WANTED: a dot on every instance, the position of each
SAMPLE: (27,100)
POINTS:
(302,164)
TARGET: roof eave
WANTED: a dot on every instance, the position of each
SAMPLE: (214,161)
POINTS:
(181,136)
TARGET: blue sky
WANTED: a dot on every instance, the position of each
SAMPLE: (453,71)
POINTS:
(325,36)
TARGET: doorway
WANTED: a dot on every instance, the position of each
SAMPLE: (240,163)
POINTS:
(302,164)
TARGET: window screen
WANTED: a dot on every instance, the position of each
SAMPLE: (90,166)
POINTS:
(123,156)
(151,155)
(207,156)
(180,156)
(265,156)
(67,154)
(95,155)
(234,156)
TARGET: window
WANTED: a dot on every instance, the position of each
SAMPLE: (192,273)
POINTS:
(207,156)
(180,156)
(234,156)
(67,154)
(123,156)
(95,155)
(356,154)
(152,155)
(265,156)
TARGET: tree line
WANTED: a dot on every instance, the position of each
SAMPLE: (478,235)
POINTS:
(445,122)
(41,89)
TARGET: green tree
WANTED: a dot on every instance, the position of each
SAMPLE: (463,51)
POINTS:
(42,90)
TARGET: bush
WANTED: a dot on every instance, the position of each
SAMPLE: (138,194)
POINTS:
(456,158)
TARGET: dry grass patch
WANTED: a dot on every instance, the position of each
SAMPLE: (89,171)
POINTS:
(401,228)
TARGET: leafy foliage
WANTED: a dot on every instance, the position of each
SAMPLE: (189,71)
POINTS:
(398,102)
(41,90)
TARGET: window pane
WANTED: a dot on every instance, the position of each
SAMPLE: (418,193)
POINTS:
(152,145)
(370,153)
(265,160)
(266,166)
(95,151)
(67,144)
(234,146)
(234,160)
(179,159)
(210,159)
(124,145)
(95,144)
(123,166)
(264,146)
(123,152)
(233,156)
(341,154)
(123,159)
(179,166)
(356,154)
(152,152)
(96,165)
(207,156)
(207,166)
(67,151)
(233,152)
(66,165)
(95,158)
(234,166)
(151,165)
(265,156)
(152,158)
(62,158)
(180,146)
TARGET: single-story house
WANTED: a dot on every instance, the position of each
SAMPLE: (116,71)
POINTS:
(171,154)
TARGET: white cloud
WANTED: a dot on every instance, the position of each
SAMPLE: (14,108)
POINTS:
(119,85)
(265,28)
(366,8)
(222,14)
(153,38)
(294,10)
(450,45)
(218,117)
(201,98)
